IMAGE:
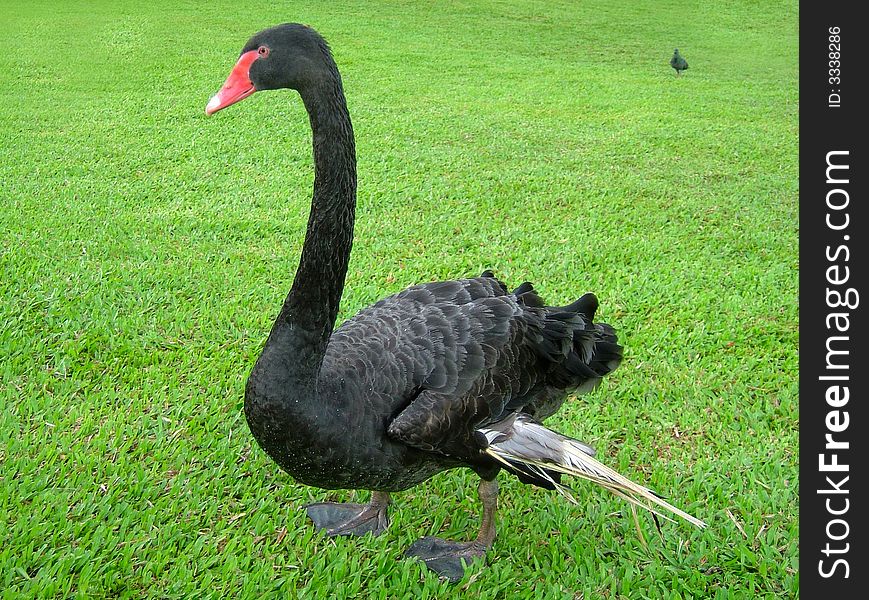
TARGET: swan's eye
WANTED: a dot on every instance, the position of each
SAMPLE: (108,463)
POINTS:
(263,51)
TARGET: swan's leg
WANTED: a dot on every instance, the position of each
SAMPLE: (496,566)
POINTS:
(351,519)
(448,558)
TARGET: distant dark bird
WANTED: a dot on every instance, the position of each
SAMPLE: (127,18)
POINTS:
(678,62)
(441,375)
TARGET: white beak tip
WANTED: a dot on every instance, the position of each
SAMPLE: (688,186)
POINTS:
(213,104)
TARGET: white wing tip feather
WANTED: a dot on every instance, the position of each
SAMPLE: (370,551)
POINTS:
(578,463)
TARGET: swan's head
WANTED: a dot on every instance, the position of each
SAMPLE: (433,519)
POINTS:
(286,56)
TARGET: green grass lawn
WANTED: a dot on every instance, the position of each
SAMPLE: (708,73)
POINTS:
(147,248)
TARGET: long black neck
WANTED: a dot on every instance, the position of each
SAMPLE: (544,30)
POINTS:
(309,312)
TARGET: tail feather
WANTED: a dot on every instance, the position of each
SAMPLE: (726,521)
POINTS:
(586,306)
(522,444)
(527,295)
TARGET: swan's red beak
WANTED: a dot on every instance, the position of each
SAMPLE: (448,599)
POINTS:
(238,85)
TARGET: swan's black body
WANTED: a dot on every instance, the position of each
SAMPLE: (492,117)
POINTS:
(400,391)
(404,385)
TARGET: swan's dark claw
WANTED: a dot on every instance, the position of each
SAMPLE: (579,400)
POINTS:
(446,558)
(348,519)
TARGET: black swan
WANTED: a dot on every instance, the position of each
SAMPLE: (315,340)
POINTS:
(441,375)
(678,62)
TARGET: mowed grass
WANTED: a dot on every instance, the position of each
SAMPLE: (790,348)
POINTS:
(147,248)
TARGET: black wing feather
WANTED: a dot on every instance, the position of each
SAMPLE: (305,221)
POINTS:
(456,355)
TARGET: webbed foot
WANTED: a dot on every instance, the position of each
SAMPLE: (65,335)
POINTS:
(336,519)
(449,559)
(446,558)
